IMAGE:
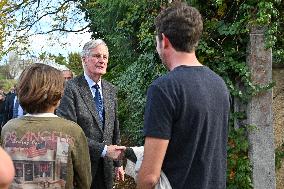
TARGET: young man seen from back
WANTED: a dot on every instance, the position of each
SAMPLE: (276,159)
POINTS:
(187,110)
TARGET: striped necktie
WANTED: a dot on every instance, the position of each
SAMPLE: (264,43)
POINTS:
(99,103)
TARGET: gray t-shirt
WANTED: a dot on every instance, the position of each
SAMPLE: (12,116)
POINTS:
(190,107)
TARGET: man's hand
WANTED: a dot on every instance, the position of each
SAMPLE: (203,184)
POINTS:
(150,170)
(119,173)
(115,152)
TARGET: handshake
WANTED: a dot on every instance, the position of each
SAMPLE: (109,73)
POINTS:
(119,152)
(115,152)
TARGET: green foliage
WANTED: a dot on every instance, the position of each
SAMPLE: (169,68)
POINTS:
(128,28)
(5,21)
(7,84)
(22,20)
(279,156)
(73,62)
(136,83)
(4,73)
(60,59)
(239,167)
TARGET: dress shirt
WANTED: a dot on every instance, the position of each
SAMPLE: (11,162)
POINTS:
(42,115)
(91,83)
(20,109)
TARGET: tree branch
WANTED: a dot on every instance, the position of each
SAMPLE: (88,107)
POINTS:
(29,26)
(63,30)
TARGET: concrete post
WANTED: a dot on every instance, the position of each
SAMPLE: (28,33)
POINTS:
(259,113)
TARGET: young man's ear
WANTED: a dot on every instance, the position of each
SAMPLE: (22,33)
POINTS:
(165,41)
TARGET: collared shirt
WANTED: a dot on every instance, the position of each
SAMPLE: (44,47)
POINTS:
(42,115)
(20,109)
(91,83)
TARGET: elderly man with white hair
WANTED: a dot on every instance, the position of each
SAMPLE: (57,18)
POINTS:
(91,102)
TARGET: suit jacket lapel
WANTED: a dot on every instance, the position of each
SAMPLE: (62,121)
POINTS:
(107,98)
(88,99)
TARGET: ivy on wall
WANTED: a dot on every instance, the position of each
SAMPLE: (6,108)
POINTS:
(128,28)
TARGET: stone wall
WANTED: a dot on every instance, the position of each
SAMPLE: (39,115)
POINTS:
(278,117)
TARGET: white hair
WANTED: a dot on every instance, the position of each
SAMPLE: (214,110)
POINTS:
(91,45)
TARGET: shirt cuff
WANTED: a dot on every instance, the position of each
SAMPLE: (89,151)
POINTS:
(104,151)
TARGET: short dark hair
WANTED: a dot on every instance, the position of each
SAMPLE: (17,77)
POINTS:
(40,87)
(182,25)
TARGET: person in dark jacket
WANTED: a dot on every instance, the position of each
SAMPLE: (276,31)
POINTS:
(2,107)
(91,102)
(8,107)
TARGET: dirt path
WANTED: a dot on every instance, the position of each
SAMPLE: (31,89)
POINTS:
(278,118)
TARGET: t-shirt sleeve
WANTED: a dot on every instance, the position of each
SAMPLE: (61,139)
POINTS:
(158,116)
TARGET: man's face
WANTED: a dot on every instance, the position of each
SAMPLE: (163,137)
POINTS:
(67,75)
(160,50)
(95,64)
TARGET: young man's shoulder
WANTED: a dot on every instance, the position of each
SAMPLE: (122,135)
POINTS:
(161,80)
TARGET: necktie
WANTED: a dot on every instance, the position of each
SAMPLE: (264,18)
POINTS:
(99,103)
(15,108)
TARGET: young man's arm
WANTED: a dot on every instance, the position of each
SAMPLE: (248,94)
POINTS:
(154,153)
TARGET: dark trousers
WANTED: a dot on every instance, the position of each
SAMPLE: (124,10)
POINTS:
(98,179)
